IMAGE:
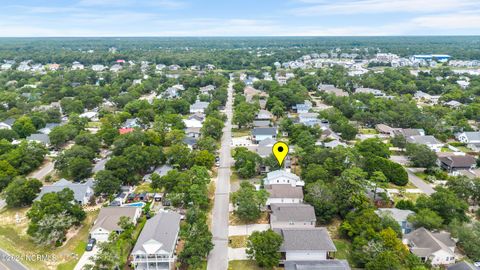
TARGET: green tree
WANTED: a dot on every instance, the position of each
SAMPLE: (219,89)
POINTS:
(426,218)
(246,162)
(421,156)
(204,158)
(23,126)
(248,201)
(264,248)
(107,257)
(212,127)
(399,141)
(21,191)
(373,146)
(323,199)
(52,215)
(106,183)
(446,204)
(7,172)
(79,168)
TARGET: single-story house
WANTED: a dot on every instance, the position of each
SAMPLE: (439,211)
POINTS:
(292,215)
(283,177)
(284,194)
(194,120)
(453,164)
(156,244)
(198,106)
(407,132)
(306,244)
(384,129)
(132,123)
(399,215)
(428,140)
(108,219)
(262,133)
(331,89)
(438,248)
(40,138)
(82,192)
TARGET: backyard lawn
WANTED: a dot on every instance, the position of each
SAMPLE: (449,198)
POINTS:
(240,132)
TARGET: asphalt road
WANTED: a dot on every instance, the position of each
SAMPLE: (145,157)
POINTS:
(218,258)
(419,183)
(43,171)
(9,263)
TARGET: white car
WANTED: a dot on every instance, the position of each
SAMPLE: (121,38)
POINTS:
(477,264)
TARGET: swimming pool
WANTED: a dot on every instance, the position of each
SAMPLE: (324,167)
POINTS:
(136,204)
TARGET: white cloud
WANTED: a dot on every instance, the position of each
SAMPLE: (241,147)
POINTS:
(381,6)
(450,21)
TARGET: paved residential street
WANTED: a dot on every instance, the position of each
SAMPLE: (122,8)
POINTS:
(43,171)
(218,258)
(419,183)
(6,263)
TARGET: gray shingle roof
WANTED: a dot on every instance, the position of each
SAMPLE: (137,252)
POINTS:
(163,230)
(423,243)
(458,161)
(462,266)
(428,139)
(284,191)
(306,239)
(39,137)
(109,217)
(398,214)
(292,212)
(317,265)
(264,131)
(80,190)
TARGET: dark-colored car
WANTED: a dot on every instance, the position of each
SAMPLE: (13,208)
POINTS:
(91,244)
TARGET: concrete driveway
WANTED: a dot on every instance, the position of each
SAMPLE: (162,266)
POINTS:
(86,258)
(237,254)
(247,229)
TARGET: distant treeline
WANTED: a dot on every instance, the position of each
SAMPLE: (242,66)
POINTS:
(227,52)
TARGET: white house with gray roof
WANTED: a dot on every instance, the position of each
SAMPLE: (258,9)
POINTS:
(108,219)
(156,244)
(198,106)
(317,265)
(283,177)
(471,138)
(428,140)
(82,192)
(306,244)
(292,215)
(438,248)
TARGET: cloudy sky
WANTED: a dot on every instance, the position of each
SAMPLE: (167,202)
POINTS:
(238,17)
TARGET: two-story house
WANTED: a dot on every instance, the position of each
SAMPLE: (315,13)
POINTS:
(156,244)
(283,177)
(453,164)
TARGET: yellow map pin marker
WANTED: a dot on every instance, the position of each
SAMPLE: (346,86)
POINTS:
(280,151)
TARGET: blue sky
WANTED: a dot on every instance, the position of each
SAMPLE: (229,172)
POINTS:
(238,18)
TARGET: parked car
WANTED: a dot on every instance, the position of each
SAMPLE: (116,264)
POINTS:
(91,244)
